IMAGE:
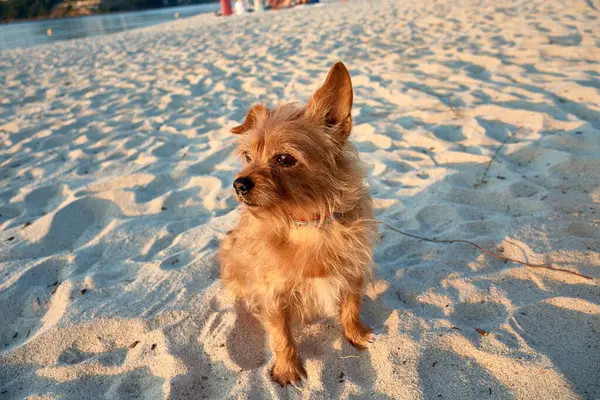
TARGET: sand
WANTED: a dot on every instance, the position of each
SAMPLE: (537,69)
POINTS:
(115,173)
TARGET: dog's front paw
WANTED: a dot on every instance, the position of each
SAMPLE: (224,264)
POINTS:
(285,372)
(360,336)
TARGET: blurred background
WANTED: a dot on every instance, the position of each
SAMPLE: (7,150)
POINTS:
(25,23)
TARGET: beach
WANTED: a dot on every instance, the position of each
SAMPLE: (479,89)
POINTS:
(477,121)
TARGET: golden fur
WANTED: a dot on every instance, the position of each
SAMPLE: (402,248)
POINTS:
(286,272)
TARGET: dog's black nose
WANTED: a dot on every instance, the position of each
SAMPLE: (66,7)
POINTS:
(243,185)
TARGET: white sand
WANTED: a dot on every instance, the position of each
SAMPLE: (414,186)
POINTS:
(115,173)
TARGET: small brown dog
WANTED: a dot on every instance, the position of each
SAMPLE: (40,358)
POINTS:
(303,247)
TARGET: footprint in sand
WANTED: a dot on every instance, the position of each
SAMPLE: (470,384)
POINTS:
(485,314)
(449,133)
(583,230)
(34,303)
(523,189)
(74,355)
(177,261)
(437,217)
(8,213)
(46,198)
(71,226)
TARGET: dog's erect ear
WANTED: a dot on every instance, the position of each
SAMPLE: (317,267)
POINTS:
(255,111)
(332,103)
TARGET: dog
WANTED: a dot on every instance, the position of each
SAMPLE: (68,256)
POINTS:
(303,246)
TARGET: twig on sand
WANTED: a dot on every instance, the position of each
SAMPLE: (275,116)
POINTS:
(488,252)
(482,180)
(349,356)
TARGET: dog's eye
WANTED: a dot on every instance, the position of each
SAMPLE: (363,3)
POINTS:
(247,158)
(286,160)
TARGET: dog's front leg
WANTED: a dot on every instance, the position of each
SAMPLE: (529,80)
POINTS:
(356,332)
(288,366)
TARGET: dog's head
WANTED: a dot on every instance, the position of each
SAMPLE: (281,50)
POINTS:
(298,161)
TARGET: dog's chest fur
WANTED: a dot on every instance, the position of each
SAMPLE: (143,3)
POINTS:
(319,292)
(320,297)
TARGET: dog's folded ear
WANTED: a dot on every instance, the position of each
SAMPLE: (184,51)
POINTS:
(331,105)
(255,112)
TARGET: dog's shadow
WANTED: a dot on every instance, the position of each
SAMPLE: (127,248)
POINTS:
(247,343)
(331,361)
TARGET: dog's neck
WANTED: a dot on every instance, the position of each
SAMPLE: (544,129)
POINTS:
(317,221)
